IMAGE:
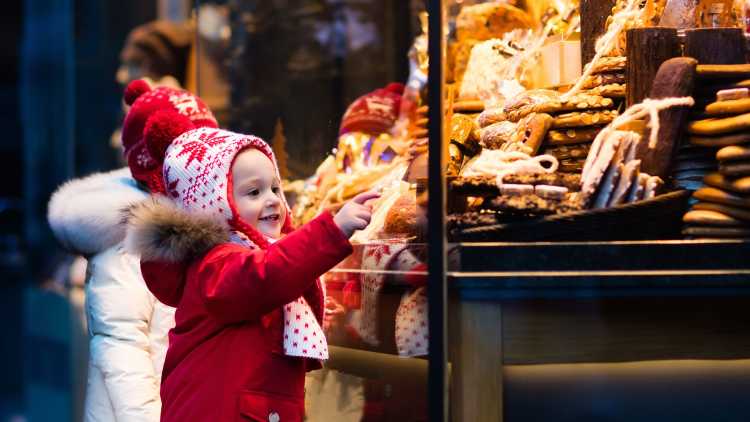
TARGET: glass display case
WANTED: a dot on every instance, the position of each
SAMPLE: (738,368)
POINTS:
(550,295)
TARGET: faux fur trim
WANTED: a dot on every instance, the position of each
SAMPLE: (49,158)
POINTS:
(86,214)
(159,230)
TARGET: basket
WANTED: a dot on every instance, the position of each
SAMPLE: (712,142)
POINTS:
(656,218)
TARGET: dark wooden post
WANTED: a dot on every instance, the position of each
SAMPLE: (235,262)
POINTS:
(647,49)
(715,45)
(594,14)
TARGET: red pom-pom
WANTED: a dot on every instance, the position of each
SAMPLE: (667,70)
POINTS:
(161,129)
(395,87)
(134,90)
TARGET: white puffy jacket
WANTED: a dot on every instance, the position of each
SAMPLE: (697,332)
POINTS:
(128,327)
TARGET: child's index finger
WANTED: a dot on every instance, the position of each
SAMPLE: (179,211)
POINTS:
(365,196)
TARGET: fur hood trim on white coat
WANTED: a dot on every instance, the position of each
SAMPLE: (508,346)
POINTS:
(86,214)
(160,230)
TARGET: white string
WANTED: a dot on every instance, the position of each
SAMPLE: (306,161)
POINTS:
(504,163)
(606,43)
(649,107)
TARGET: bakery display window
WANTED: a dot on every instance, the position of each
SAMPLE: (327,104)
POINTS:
(562,182)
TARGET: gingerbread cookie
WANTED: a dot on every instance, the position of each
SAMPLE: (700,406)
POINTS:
(720,126)
(724,107)
(594,81)
(732,94)
(587,118)
(711,194)
(738,213)
(710,218)
(733,153)
(734,169)
(571,166)
(529,134)
(608,91)
(547,101)
(717,232)
(741,185)
(568,152)
(628,177)
(609,65)
(720,141)
(572,136)
(534,204)
(723,71)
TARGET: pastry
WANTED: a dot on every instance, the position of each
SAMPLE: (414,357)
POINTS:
(529,134)
(469,106)
(487,185)
(735,169)
(490,116)
(597,163)
(637,189)
(710,218)
(490,20)
(586,118)
(514,189)
(572,136)
(719,126)
(401,219)
(711,194)
(497,134)
(720,141)
(462,127)
(741,185)
(733,153)
(738,213)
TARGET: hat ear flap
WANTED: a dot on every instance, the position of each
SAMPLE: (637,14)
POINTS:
(161,129)
(134,90)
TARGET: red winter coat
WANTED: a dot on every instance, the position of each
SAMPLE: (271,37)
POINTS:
(225,360)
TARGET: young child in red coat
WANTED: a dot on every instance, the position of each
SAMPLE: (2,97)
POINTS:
(219,247)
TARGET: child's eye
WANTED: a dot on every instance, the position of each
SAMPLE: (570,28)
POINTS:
(276,190)
(254,192)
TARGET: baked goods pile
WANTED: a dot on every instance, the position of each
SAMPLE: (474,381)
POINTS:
(719,167)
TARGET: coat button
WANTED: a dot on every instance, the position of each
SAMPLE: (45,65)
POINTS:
(273,417)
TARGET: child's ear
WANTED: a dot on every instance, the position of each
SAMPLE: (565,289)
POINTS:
(162,128)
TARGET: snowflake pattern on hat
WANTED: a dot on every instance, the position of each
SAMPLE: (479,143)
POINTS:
(196,173)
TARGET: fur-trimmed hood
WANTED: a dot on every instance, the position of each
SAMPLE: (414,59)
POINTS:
(168,238)
(159,230)
(86,214)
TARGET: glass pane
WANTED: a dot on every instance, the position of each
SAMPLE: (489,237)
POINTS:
(322,83)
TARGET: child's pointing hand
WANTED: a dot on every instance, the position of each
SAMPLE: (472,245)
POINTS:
(355,215)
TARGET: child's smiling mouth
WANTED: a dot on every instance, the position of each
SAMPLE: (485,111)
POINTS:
(270,218)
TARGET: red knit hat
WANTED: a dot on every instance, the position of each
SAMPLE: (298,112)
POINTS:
(198,175)
(375,112)
(155,118)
